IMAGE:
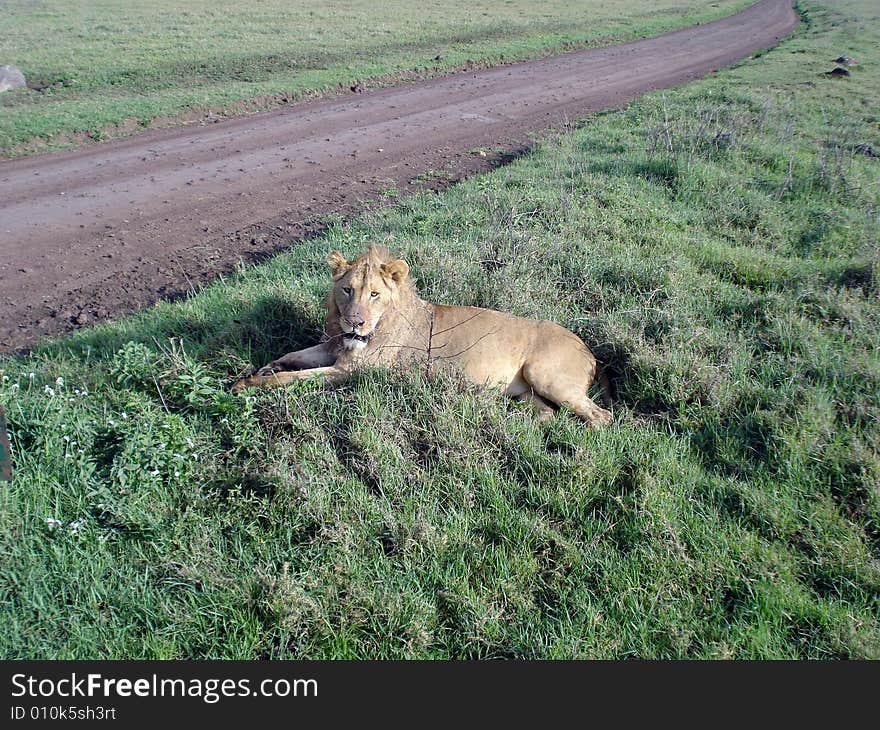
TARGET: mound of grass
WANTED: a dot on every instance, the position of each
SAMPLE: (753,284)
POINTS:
(111,67)
(716,245)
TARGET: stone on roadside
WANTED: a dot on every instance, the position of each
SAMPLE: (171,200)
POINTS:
(11,78)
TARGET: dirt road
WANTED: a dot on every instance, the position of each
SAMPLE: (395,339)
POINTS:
(109,228)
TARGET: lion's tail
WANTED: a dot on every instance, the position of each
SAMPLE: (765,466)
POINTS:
(606,386)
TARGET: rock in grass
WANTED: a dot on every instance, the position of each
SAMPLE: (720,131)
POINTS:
(845,61)
(838,71)
(11,78)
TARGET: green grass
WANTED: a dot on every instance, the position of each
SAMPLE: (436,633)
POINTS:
(112,67)
(725,266)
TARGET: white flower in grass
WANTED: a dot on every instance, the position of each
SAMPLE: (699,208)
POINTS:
(32,375)
(154,473)
(14,388)
(104,537)
(5,378)
(59,381)
(49,391)
(53,524)
(76,524)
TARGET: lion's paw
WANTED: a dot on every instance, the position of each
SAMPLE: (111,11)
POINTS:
(601,417)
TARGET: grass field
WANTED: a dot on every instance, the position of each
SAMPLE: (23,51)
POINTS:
(108,67)
(717,246)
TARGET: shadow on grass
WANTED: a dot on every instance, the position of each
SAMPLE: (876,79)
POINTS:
(617,364)
(270,327)
(359,462)
(244,482)
(661,170)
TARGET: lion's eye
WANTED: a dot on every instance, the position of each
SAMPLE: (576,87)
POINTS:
(374,294)
(347,290)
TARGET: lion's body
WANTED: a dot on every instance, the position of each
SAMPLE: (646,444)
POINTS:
(375,318)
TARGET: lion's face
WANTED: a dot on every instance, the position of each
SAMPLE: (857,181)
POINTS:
(363,291)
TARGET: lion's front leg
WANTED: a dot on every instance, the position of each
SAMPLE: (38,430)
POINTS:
(312,357)
(279,380)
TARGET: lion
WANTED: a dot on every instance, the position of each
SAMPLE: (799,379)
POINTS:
(375,318)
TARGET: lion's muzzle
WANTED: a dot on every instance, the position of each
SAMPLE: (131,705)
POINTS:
(354,341)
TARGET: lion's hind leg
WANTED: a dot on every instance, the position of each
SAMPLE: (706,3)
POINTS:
(567,392)
(543,409)
(565,383)
(520,390)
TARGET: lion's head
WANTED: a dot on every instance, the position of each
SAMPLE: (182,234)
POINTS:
(364,291)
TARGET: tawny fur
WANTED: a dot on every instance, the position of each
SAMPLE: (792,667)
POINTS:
(376,318)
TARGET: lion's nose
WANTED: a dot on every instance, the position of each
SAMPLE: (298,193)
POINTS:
(355,320)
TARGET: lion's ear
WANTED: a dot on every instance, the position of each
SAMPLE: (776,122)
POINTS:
(337,263)
(397,270)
